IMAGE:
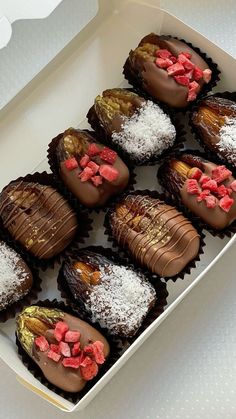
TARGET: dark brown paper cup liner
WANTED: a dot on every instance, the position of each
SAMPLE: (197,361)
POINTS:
(197,135)
(153,277)
(84,223)
(107,139)
(176,200)
(117,347)
(11,311)
(160,288)
(135,80)
(75,203)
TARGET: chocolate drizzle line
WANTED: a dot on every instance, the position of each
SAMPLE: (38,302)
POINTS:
(174,198)
(115,236)
(41,181)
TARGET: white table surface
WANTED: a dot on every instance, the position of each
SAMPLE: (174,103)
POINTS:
(187,368)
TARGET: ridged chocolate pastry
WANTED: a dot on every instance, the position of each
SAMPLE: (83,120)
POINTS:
(68,350)
(168,69)
(137,126)
(38,217)
(205,188)
(215,122)
(92,172)
(156,234)
(115,296)
(15,277)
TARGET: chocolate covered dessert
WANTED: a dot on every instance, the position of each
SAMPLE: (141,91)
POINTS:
(68,350)
(38,217)
(114,295)
(168,69)
(215,122)
(15,277)
(156,234)
(137,126)
(205,188)
(92,172)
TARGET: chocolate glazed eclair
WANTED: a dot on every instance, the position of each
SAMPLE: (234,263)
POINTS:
(156,234)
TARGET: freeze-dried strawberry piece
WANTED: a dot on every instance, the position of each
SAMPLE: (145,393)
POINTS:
(203,195)
(93,150)
(211,185)
(72,336)
(71,163)
(210,201)
(86,174)
(73,362)
(187,64)
(175,69)
(194,86)
(65,349)
(108,155)
(163,53)
(207,75)
(222,191)
(163,63)
(186,54)
(182,80)
(204,178)
(84,161)
(95,350)
(233,185)
(192,95)
(54,348)
(85,360)
(189,74)
(194,173)
(193,187)
(108,172)
(89,372)
(60,330)
(173,59)
(54,356)
(97,180)
(220,173)
(226,203)
(76,349)
(197,73)
(42,343)
(93,166)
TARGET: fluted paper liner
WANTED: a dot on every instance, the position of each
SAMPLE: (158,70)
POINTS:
(156,195)
(136,81)
(62,188)
(176,201)
(84,225)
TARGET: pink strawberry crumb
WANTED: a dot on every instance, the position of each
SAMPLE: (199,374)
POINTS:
(42,343)
(192,187)
(226,203)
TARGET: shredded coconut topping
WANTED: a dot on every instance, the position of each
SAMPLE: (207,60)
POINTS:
(11,276)
(227,143)
(146,133)
(121,300)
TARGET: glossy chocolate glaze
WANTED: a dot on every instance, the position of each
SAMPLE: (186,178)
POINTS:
(24,285)
(87,193)
(38,217)
(208,120)
(155,80)
(68,379)
(156,234)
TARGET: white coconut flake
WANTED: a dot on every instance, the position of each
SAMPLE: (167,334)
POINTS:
(146,133)
(121,300)
(11,275)
(227,143)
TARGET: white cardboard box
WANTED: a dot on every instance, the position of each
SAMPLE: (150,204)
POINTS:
(60,97)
